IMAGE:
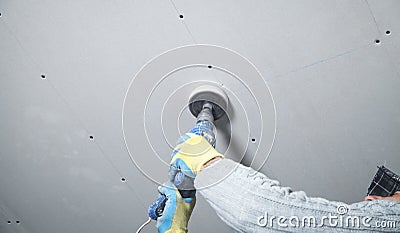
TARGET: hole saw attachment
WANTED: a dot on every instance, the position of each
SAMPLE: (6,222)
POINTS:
(207,103)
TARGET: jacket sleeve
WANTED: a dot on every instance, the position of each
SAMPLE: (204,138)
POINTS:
(248,201)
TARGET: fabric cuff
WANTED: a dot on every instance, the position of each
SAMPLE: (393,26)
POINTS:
(215,173)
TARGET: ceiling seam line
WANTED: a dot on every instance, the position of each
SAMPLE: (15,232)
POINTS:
(350,51)
(24,50)
(184,22)
(190,32)
(373,16)
(174,6)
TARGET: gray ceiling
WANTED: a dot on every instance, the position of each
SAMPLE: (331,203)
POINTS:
(336,94)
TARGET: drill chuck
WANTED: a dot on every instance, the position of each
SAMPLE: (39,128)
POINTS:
(206,113)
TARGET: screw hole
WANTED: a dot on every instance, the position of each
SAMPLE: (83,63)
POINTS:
(123,179)
(18,222)
(1,14)
(8,222)
(43,76)
(377,41)
(91,137)
(181,16)
(253,140)
(209,67)
(388,32)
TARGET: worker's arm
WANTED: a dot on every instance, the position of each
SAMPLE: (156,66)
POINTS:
(249,201)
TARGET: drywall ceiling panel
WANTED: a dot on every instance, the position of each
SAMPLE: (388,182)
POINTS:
(281,36)
(53,177)
(339,118)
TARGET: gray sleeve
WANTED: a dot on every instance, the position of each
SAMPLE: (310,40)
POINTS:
(248,201)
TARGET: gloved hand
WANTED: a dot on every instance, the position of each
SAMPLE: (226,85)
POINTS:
(191,153)
(177,210)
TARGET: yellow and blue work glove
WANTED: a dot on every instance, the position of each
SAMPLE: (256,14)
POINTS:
(177,210)
(192,151)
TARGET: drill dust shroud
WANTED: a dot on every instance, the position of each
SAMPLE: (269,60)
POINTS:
(166,94)
(209,94)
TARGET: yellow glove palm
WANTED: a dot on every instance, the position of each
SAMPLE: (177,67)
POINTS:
(192,154)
